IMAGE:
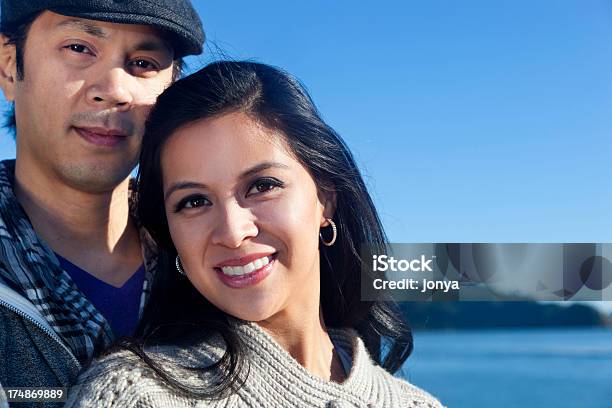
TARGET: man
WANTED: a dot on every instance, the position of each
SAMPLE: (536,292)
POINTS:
(73,264)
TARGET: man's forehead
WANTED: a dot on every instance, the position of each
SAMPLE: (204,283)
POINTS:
(101,29)
(175,21)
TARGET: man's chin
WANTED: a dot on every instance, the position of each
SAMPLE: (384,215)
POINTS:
(95,178)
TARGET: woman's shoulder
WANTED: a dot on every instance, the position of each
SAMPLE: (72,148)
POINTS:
(412,396)
(112,381)
(368,378)
(124,379)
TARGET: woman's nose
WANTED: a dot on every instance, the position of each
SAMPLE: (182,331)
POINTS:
(234,225)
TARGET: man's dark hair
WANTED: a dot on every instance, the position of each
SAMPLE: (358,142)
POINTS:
(18,36)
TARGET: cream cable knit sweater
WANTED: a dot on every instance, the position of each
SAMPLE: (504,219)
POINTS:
(275,379)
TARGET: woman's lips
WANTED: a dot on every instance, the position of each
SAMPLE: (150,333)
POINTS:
(100,136)
(243,260)
(247,279)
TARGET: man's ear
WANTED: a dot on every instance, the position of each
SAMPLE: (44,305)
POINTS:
(8,68)
(328,199)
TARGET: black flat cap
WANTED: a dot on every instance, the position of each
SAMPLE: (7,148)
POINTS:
(176,17)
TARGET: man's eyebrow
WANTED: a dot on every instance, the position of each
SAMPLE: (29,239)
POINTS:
(81,25)
(182,185)
(185,185)
(147,45)
(154,46)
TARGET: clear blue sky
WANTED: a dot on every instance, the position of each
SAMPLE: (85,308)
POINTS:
(473,121)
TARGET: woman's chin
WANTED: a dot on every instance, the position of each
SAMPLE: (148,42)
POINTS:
(250,315)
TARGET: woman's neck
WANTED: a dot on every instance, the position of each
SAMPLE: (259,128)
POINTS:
(307,341)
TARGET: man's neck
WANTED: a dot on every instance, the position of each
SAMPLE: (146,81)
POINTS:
(92,230)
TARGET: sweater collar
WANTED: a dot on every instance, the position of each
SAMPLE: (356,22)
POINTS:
(264,351)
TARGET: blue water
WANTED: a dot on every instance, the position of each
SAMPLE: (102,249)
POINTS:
(514,368)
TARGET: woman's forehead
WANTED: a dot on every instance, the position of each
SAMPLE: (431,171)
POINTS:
(225,147)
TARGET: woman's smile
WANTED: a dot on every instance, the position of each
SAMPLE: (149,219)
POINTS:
(237,274)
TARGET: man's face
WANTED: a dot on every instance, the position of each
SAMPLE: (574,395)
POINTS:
(81,106)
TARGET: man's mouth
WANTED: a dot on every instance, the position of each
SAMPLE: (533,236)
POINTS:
(100,136)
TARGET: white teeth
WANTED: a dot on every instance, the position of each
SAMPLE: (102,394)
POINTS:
(248,268)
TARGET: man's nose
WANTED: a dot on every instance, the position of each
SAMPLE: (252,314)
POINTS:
(112,89)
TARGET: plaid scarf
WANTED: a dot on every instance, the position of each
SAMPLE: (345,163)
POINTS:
(30,267)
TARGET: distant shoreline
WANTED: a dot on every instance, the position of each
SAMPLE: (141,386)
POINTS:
(501,315)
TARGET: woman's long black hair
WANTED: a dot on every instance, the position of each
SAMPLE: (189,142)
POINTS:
(277,100)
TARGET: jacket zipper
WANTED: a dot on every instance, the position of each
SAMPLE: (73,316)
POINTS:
(50,333)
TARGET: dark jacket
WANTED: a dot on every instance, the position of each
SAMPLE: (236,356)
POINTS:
(31,354)
(48,328)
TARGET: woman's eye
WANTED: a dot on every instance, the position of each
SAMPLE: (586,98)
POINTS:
(263,185)
(198,202)
(192,202)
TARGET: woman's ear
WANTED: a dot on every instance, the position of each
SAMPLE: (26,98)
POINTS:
(328,199)
(8,68)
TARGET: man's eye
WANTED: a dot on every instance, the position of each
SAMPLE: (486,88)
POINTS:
(79,48)
(144,65)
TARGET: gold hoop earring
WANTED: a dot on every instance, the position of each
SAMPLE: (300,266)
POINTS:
(335,231)
(179,268)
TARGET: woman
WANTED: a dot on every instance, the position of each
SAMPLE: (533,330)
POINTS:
(260,212)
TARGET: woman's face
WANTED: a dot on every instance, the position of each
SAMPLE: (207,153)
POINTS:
(244,215)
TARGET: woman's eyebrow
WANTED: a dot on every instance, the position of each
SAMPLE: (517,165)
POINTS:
(185,185)
(182,185)
(262,166)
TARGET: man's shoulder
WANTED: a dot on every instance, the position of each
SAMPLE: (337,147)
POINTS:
(7,174)
(8,164)
(30,356)
(11,213)
(14,328)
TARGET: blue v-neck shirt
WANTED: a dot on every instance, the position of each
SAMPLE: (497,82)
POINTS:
(120,306)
